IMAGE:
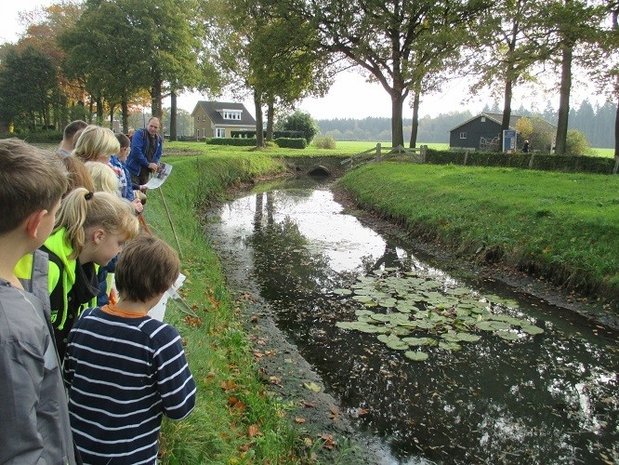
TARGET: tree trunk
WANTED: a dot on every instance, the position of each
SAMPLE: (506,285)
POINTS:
(397,135)
(564,100)
(112,108)
(617,133)
(99,110)
(415,124)
(155,96)
(507,110)
(173,115)
(124,105)
(258,107)
(270,118)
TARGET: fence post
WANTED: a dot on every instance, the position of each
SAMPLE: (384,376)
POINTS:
(378,154)
(423,150)
(531,160)
(466,156)
(616,165)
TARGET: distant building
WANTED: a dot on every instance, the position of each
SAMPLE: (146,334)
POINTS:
(219,119)
(482,132)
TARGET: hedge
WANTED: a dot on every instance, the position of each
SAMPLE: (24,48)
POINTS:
(291,142)
(546,162)
(238,141)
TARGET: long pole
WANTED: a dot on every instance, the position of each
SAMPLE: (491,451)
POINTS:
(165,205)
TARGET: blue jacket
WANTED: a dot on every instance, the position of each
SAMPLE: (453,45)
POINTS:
(139,147)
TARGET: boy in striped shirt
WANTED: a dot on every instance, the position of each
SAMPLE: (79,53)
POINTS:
(124,370)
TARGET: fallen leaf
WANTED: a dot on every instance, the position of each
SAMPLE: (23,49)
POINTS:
(311,386)
(299,420)
(253,430)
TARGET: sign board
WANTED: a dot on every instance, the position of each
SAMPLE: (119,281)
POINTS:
(509,141)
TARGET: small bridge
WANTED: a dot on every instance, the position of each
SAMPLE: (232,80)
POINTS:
(380,153)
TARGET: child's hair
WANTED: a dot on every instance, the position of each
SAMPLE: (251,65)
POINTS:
(78,174)
(147,267)
(103,176)
(30,180)
(94,142)
(71,129)
(81,209)
(123,140)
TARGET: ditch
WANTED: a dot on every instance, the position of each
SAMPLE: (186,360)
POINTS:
(429,366)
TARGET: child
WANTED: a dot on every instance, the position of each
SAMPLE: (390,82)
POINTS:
(124,370)
(90,230)
(103,177)
(96,144)
(33,406)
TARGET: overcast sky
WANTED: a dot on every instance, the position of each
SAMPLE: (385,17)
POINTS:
(349,97)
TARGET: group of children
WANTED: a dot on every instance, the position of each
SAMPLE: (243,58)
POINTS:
(122,370)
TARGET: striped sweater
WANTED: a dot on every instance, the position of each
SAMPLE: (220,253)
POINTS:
(123,375)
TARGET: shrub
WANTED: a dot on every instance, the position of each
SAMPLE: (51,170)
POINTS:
(324,142)
(576,143)
(291,143)
(300,121)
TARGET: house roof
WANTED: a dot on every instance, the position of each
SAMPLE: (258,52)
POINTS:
(214,110)
(498,118)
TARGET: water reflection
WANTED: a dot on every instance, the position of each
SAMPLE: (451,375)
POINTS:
(548,399)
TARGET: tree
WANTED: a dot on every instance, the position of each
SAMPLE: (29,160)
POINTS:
(513,43)
(524,126)
(28,86)
(301,121)
(380,36)
(104,51)
(573,26)
(259,53)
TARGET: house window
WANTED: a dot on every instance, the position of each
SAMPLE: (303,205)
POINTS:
(198,133)
(483,119)
(232,114)
(220,132)
(463,135)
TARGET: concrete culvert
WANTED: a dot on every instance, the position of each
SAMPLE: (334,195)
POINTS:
(319,171)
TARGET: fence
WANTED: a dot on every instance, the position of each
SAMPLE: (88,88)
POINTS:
(380,153)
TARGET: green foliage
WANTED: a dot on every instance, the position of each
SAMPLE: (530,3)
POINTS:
(324,142)
(28,87)
(300,121)
(292,143)
(576,143)
(236,141)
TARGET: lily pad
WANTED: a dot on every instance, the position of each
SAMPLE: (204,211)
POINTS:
(416,356)
(419,341)
(532,329)
(341,291)
(507,335)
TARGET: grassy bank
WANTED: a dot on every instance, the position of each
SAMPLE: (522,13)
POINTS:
(235,420)
(564,227)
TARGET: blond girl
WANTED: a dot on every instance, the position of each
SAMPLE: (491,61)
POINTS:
(90,230)
(96,144)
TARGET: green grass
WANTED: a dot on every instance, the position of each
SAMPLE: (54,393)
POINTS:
(561,226)
(343,148)
(601,152)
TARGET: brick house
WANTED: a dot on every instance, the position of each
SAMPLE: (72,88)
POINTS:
(219,119)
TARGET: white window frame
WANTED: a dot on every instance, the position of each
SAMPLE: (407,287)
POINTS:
(232,114)
(220,132)
(483,119)
(463,135)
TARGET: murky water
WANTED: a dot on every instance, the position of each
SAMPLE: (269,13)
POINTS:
(549,398)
